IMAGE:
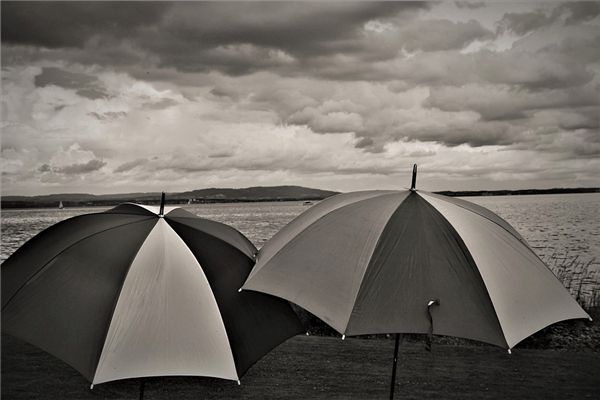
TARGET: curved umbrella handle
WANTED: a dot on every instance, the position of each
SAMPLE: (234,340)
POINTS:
(431,303)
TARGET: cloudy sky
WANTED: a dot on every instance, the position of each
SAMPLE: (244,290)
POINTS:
(117,97)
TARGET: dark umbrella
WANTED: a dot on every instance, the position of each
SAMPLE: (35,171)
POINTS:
(412,262)
(139,291)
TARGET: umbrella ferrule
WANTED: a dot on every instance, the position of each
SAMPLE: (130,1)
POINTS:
(161,212)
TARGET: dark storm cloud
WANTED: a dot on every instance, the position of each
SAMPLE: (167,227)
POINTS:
(579,11)
(72,24)
(301,28)
(234,37)
(85,85)
(569,13)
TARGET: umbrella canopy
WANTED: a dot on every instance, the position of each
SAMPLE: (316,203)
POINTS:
(412,262)
(135,292)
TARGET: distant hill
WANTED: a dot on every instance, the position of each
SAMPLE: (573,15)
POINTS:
(229,195)
(211,195)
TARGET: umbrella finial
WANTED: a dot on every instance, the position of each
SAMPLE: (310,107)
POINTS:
(162,204)
(414,178)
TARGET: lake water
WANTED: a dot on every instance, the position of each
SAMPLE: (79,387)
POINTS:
(564,230)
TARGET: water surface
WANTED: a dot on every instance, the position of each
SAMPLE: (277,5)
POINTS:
(563,229)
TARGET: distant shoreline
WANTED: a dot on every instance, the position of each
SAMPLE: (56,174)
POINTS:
(110,203)
(51,201)
(467,193)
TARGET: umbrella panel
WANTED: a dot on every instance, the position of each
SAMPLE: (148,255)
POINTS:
(75,294)
(419,258)
(255,322)
(46,245)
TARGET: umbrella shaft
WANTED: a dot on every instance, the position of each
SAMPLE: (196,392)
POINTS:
(393,385)
(142,389)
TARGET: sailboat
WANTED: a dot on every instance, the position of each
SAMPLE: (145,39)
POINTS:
(189,201)
(60,205)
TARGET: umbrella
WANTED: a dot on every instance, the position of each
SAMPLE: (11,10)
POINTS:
(139,291)
(411,261)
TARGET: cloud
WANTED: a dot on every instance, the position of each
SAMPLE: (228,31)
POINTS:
(85,85)
(72,24)
(502,102)
(128,166)
(73,160)
(44,168)
(435,35)
(83,168)
(160,104)
(337,95)
(469,4)
(568,13)
(107,116)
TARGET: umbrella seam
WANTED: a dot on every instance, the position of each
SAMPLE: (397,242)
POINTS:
(385,193)
(371,258)
(121,288)
(40,270)
(225,325)
(210,285)
(474,263)
(212,292)
(141,206)
(519,238)
(171,219)
(116,300)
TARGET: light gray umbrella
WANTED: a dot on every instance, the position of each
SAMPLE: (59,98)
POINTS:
(411,261)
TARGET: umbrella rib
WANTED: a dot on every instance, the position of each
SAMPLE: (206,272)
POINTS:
(384,193)
(172,219)
(41,269)
(121,288)
(369,264)
(520,239)
(476,268)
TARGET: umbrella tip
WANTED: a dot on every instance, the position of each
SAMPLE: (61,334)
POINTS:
(413,184)
(509,351)
(343,337)
(240,290)
(92,386)
(238,382)
(162,204)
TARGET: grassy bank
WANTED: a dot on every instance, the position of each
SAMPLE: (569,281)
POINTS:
(329,368)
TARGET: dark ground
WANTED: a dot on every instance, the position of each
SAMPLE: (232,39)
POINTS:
(329,368)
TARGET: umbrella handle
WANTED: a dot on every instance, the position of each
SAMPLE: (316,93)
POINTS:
(429,337)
